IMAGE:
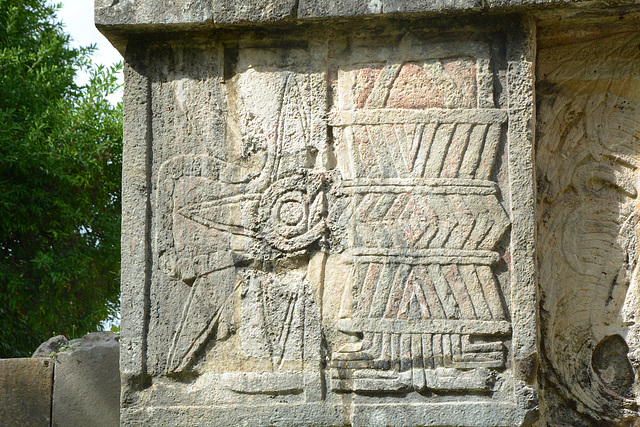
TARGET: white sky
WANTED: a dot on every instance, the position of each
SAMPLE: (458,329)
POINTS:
(77,17)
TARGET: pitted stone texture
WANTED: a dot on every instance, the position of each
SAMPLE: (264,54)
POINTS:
(319,224)
(343,8)
(25,392)
(142,12)
(413,6)
(252,11)
(86,388)
(320,9)
(51,346)
(587,162)
(115,16)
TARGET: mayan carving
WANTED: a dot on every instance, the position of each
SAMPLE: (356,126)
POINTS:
(331,240)
(588,158)
(242,217)
(416,155)
(379,213)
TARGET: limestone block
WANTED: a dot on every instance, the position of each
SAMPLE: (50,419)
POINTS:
(412,6)
(255,11)
(319,226)
(323,9)
(370,213)
(588,160)
(141,12)
(51,346)
(86,388)
(192,13)
(25,392)
(118,18)
(328,8)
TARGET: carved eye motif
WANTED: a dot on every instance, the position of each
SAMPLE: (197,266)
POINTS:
(291,209)
(289,213)
(292,212)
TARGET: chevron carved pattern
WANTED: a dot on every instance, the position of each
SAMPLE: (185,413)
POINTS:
(418,156)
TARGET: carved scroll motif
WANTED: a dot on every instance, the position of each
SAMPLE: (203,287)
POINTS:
(588,158)
(424,224)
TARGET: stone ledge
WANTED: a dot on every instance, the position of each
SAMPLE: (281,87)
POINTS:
(117,19)
(139,14)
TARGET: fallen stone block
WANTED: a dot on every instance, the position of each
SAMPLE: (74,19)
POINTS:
(25,392)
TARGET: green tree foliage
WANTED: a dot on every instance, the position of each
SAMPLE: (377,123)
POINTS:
(60,178)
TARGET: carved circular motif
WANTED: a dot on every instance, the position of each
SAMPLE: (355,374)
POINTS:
(291,217)
(291,212)
(287,213)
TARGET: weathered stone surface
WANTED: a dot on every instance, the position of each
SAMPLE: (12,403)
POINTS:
(587,162)
(254,11)
(86,387)
(332,220)
(329,8)
(320,9)
(25,392)
(412,6)
(114,16)
(142,12)
(320,228)
(51,346)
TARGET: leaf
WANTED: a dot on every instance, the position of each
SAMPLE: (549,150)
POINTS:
(60,167)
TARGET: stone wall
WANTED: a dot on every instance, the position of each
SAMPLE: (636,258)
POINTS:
(378,213)
(65,384)
(25,392)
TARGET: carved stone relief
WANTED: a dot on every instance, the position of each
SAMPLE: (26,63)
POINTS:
(415,151)
(342,253)
(587,163)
